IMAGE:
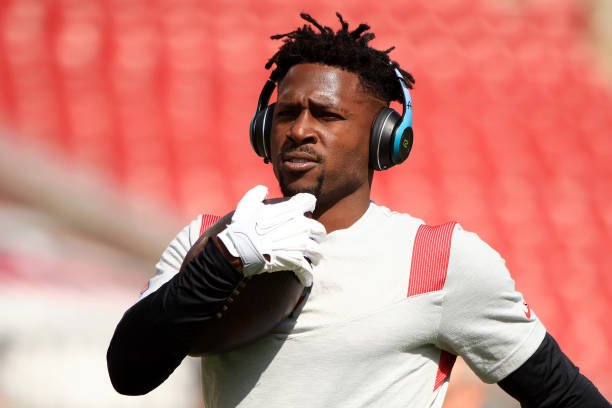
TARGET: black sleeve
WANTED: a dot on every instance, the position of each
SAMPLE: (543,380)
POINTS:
(549,379)
(156,333)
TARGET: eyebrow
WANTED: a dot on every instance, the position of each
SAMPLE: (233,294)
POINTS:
(318,105)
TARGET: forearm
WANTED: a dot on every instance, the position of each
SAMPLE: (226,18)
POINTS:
(156,333)
(549,379)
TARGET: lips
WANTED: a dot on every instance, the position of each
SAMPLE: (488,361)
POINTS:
(299,161)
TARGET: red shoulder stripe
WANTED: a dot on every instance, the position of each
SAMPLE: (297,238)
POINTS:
(447,360)
(428,274)
(207,221)
(430,258)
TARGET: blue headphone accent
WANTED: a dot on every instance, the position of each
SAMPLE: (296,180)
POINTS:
(406,118)
(391,135)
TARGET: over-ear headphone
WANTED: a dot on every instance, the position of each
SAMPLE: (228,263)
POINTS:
(391,135)
(262,122)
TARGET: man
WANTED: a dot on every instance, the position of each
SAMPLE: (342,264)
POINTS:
(391,300)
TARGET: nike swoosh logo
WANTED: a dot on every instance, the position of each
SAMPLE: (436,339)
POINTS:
(263,229)
(528,311)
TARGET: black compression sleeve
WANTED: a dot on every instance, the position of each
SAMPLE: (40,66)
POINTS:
(155,334)
(549,379)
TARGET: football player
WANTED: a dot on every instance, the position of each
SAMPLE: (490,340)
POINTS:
(391,301)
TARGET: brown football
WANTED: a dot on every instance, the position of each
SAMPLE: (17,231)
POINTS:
(256,306)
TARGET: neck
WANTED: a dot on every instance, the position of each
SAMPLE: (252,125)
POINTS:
(343,212)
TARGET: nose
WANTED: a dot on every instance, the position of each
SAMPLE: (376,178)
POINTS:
(302,130)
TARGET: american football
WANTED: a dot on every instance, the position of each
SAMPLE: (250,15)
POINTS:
(256,306)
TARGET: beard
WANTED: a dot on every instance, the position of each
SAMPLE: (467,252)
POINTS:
(288,191)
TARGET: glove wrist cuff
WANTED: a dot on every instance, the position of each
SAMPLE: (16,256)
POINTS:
(252,261)
(227,241)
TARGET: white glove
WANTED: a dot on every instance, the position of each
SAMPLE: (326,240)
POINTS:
(281,231)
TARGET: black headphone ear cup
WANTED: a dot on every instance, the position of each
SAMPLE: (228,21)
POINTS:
(267,128)
(405,145)
(260,132)
(381,138)
(256,134)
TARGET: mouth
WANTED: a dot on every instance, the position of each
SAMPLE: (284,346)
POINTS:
(299,161)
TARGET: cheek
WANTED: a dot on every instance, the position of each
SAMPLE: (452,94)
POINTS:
(357,147)
(351,157)
(274,146)
(360,130)
(275,142)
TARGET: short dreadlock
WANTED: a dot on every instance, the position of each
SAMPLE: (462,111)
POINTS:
(344,49)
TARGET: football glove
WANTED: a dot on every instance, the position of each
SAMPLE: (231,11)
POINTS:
(275,237)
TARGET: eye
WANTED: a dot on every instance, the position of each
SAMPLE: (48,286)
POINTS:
(286,113)
(328,115)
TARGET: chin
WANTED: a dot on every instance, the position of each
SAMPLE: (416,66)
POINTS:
(293,188)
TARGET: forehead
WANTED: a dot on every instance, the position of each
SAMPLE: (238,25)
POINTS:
(322,84)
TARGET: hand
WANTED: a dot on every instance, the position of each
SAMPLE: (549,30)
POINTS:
(275,237)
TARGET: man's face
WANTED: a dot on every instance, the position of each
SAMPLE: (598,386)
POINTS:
(321,131)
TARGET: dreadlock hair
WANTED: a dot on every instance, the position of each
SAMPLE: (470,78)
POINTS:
(344,49)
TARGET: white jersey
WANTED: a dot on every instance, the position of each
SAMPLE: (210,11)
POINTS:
(393,302)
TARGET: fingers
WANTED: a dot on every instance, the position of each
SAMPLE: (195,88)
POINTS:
(300,229)
(296,263)
(286,210)
(297,247)
(315,229)
(306,202)
(303,271)
(304,275)
(313,254)
(256,194)
(250,200)
(289,216)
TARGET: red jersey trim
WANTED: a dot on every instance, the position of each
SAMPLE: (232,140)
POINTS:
(207,221)
(428,269)
(447,360)
(430,258)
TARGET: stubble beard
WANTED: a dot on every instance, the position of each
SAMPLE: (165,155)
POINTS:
(313,189)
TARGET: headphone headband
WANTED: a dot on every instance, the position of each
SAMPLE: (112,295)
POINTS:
(406,122)
(266,94)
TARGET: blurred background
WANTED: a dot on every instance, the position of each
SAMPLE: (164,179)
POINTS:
(121,120)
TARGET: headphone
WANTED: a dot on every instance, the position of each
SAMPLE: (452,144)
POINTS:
(391,135)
